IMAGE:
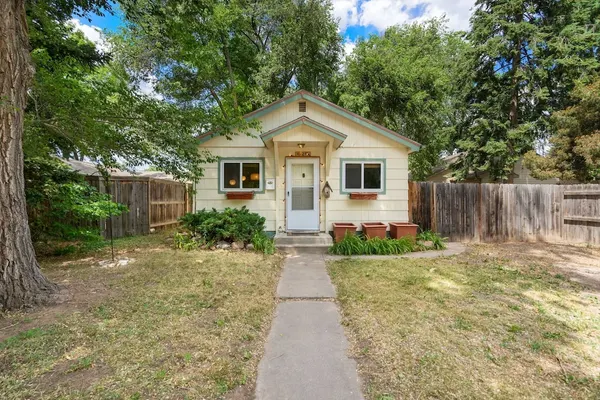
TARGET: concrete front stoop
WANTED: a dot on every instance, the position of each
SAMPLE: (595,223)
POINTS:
(317,243)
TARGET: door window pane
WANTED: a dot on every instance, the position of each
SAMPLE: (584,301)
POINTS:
(372,176)
(231,175)
(302,198)
(251,175)
(353,176)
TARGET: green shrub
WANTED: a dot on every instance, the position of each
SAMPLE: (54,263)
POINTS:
(185,242)
(439,243)
(263,243)
(354,245)
(61,205)
(349,245)
(230,225)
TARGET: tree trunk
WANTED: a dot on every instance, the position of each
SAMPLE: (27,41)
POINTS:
(516,66)
(21,281)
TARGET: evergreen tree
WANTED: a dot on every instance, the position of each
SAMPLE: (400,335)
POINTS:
(527,56)
(575,151)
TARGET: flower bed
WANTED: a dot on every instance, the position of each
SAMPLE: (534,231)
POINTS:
(355,245)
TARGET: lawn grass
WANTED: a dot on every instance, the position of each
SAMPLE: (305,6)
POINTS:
(168,325)
(470,326)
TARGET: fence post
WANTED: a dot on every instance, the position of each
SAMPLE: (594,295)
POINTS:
(410,200)
(479,210)
(149,205)
(433,213)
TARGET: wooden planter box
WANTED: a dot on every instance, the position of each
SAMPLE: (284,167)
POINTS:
(340,229)
(400,229)
(374,229)
(363,196)
(240,195)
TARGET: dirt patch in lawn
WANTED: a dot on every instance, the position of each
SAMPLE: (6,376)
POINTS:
(580,263)
(500,321)
(172,324)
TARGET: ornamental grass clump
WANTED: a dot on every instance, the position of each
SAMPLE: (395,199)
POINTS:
(355,245)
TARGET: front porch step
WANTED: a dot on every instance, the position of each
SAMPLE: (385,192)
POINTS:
(303,243)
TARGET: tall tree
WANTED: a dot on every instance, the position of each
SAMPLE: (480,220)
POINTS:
(225,58)
(410,80)
(21,281)
(527,56)
(575,147)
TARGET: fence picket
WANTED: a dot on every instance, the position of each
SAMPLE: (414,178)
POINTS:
(501,212)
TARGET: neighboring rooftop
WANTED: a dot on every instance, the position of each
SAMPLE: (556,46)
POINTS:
(89,169)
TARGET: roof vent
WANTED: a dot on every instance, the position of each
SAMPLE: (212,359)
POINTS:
(302,106)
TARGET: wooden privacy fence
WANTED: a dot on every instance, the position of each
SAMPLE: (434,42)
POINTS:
(152,203)
(507,212)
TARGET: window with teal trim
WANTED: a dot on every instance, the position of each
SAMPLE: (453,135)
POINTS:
(362,176)
(241,175)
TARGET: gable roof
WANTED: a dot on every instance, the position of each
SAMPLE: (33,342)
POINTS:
(305,95)
(339,137)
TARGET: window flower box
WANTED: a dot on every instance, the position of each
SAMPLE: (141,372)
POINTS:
(363,196)
(374,229)
(400,229)
(240,195)
(340,229)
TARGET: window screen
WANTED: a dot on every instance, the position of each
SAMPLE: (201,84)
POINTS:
(353,176)
(231,175)
(372,179)
(250,175)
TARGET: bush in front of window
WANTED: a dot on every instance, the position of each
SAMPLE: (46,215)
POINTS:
(229,225)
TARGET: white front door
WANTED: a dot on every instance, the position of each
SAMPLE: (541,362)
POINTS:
(302,194)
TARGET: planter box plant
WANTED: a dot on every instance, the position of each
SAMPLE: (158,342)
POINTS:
(400,229)
(340,229)
(374,229)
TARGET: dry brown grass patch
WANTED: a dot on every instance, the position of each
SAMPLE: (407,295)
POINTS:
(493,323)
(172,324)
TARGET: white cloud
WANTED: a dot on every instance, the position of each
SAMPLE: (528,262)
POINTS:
(349,46)
(346,11)
(146,87)
(92,33)
(384,13)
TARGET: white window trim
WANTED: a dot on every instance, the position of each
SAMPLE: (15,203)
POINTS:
(362,173)
(224,161)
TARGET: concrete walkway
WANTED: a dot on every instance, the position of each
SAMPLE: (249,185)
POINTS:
(306,351)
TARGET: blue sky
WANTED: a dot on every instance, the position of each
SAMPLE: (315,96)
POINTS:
(357,18)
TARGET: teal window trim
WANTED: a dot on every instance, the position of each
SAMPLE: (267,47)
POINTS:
(261,162)
(381,161)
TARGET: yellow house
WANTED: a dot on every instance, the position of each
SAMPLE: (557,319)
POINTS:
(311,163)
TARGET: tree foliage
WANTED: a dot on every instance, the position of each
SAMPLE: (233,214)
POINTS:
(526,57)
(408,79)
(82,105)
(575,148)
(222,59)
(61,205)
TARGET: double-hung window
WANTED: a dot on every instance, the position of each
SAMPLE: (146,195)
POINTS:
(237,175)
(363,176)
